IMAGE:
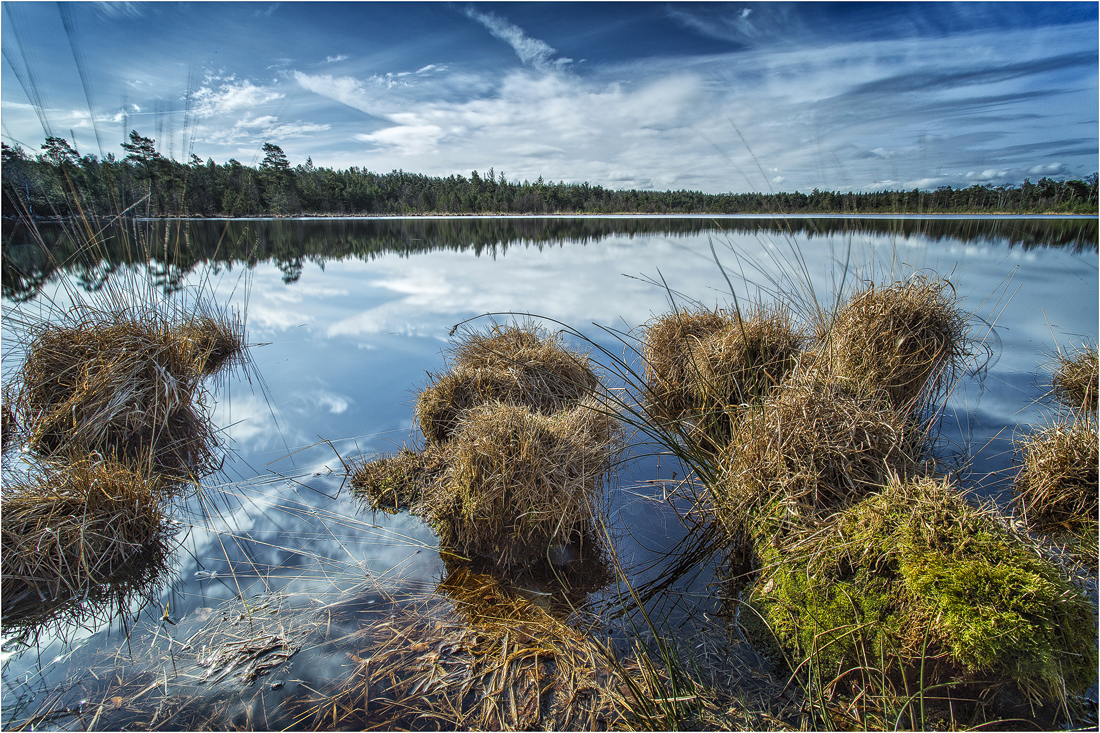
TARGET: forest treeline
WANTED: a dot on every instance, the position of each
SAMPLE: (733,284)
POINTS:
(60,182)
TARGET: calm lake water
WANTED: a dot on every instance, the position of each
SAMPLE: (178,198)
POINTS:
(349,316)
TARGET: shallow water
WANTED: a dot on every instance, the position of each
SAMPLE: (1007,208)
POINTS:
(349,316)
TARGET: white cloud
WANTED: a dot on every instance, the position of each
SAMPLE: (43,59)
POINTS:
(231,97)
(531,51)
(336,59)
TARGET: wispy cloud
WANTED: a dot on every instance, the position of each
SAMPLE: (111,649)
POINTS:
(336,59)
(231,96)
(531,51)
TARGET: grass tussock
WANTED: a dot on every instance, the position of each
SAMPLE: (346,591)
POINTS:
(126,384)
(907,338)
(1077,379)
(79,530)
(515,364)
(816,446)
(670,371)
(117,386)
(519,482)
(396,482)
(1056,487)
(915,589)
(213,342)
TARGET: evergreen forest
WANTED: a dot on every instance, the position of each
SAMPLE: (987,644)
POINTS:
(58,181)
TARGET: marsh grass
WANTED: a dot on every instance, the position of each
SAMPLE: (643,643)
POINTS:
(1077,378)
(515,363)
(518,483)
(1056,487)
(393,483)
(908,338)
(82,540)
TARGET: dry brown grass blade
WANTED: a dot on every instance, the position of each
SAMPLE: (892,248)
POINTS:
(82,530)
(1056,487)
(517,482)
(908,338)
(1077,379)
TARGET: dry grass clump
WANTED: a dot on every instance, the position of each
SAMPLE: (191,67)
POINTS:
(916,589)
(668,356)
(1076,380)
(518,482)
(214,343)
(9,427)
(519,365)
(814,444)
(485,660)
(1056,487)
(79,530)
(117,385)
(746,359)
(908,338)
(394,483)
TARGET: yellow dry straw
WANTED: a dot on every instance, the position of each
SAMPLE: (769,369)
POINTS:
(214,343)
(117,386)
(817,446)
(1056,486)
(392,483)
(76,530)
(485,660)
(1075,382)
(517,364)
(915,587)
(908,338)
(518,482)
(668,358)
(738,365)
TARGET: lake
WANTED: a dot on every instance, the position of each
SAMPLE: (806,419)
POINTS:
(347,319)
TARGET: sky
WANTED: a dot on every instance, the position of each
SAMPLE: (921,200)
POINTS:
(714,97)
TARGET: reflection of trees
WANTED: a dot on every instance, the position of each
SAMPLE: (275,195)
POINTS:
(172,249)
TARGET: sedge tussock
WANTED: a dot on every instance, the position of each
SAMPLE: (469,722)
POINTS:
(79,530)
(817,446)
(393,483)
(213,342)
(738,365)
(516,364)
(1076,379)
(1056,487)
(908,338)
(668,358)
(116,384)
(915,588)
(518,482)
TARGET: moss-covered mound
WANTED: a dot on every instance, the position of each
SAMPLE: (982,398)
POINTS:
(915,584)
(79,530)
(1076,380)
(394,483)
(908,338)
(518,483)
(519,365)
(1056,487)
(814,445)
(671,371)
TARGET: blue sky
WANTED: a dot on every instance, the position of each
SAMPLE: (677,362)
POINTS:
(710,96)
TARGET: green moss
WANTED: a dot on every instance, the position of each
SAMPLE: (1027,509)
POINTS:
(917,580)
